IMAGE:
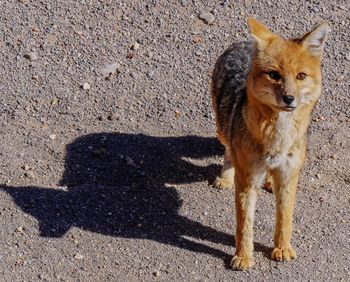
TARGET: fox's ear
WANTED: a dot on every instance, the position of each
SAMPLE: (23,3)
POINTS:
(314,41)
(260,32)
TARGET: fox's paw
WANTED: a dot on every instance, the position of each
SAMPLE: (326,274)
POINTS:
(222,183)
(283,254)
(242,263)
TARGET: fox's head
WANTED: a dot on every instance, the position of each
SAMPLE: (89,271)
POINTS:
(286,73)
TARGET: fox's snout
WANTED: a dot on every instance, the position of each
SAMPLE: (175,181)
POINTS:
(288,93)
(288,99)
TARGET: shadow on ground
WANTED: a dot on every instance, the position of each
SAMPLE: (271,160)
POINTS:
(117,186)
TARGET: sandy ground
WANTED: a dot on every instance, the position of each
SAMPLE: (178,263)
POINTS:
(108,144)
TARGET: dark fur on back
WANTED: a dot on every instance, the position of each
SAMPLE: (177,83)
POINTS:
(229,84)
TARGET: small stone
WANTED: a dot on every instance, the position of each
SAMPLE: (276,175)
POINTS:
(19,229)
(197,39)
(25,2)
(78,256)
(130,161)
(134,75)
(112,116)
(52,136)
(135,46)
(51,40)
(35,77)
(150,74)
(334,156)
(31,56)
(109,69)
(207,18)
(54,101)
(99,152)
(177,113)
(86,86)
(318,175)
(156,273)
(348,57)
(26,167)
(29,174)
(341,78)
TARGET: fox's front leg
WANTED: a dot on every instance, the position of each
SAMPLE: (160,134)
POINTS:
(285,198)
(286,181)
(245,199)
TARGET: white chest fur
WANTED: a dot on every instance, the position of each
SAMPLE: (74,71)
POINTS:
(281,140)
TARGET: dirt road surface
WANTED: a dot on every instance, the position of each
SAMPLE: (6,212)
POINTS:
(108,144)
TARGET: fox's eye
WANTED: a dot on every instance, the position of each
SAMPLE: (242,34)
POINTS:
(275,75)
(301,76)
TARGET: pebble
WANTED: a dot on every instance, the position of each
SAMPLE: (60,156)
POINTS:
(109,69)
(54,101)
(19,229)
(135,46)
(207,18)
(130,55)
(150,74)
(35,77)
(130,161)
(31,56)
(52,136)
(86,86)
(318,175)
(29,174)
(156,273)
(26,167)
(134,75)
(197,39)
(112,116)
(78,256)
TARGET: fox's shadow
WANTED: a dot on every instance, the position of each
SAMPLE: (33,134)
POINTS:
(116,186)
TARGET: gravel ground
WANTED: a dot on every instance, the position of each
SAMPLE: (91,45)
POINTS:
(108,143)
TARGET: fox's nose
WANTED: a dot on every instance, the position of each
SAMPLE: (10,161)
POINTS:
(288,99)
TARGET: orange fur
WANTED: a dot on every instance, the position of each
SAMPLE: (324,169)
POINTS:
(267,137)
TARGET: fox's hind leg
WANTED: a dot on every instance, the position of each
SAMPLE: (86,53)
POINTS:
(225,180)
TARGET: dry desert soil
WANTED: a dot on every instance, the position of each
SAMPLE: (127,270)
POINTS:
(108,147)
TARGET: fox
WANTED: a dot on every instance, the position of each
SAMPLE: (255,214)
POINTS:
(263,94)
